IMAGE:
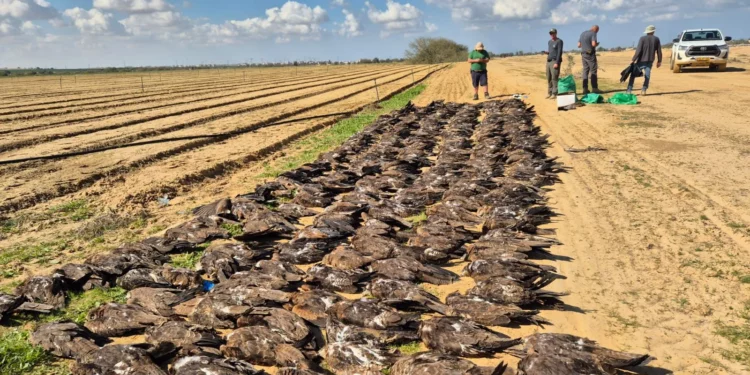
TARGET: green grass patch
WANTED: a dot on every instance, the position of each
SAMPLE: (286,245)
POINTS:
(736,226)
(186,260)
(41,253)
(738,335)
(77,210)
(417,219)
(704,217)
(338,133)
(409,348)
(80,303)
(17,355)
(233,229)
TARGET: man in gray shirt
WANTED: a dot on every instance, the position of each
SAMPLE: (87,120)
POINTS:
(649,46)
(588,43)
(554,61)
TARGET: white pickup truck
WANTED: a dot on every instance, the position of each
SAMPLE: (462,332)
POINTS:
(706,48)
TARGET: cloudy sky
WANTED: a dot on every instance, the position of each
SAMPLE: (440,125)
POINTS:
(81,33)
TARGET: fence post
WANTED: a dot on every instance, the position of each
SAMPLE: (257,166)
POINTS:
(413,81)
(142,89)
(244,76)
(60,83)
(377,94)
(75,79)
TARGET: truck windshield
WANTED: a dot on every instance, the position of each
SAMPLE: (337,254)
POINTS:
(702,35)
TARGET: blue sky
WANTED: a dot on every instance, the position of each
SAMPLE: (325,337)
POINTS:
(81,33)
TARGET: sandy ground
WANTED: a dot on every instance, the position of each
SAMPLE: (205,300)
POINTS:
(655,228)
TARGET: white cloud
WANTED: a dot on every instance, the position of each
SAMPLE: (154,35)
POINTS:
(160,24)
(293,19)
(27,10)
(397,18)
(522,10)
(339,3)
(351,26)
(133,6)
(94,22)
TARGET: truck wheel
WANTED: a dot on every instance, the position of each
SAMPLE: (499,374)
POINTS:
(676,68)
(721,68)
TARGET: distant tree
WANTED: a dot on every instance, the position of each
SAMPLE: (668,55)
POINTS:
(435,50)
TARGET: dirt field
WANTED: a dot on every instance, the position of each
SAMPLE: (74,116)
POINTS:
(654,229)
(657,226)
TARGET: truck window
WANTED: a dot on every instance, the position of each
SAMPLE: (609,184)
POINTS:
(702,35)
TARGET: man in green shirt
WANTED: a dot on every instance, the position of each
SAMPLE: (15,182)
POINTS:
(478,58)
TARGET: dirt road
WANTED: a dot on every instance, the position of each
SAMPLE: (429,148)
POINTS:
(656,227)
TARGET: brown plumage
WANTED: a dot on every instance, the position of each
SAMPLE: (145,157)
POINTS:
(434,363)
(582,349)
(218,208)
(523,271)
(289,326)
(43,289)
(218,311)
(305,251)
(67,340)
(336,280)
(114,265)
(286,271)
(312,305)
(255,344)
(344,257)
(202,365)
(292,211)
(405,295)
(372,314)
(112,320)
(463,338)
(183,335)
(142,278)
(488,313)
(112,359)
(181,278)
(352,358)
(159,300)
(220,261)
(410,269)
(8,303)
(198,230)
(507,291)
(264,222)
(336,331)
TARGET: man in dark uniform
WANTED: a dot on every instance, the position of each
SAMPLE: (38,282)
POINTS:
(588,43)
(554,62)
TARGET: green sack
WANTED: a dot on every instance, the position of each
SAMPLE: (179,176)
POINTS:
(623,99)
(592,99)
(566,85)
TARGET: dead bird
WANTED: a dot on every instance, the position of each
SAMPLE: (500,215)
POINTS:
(375,247)
(374,315)
(259,279)
(185,336)
(114,320)
(488,313)
(74,275)
(523,271)
(220,261)
(289,326)
(202,365)
(305,251)
(245,292)
(143,278)
(284,270)
(388,216)
(199,230)
(337,331)
(166,246)
(405,295)
(375,228)
(344,257)
(435,363)
(353,358)
(68,340)
(255,344)
(550,364)
(463,338)
(159,300)
(292,211)
(410,269)
(143,251)
(112,359)
(336,280)
(312,305)
(582,349)
(219,311)
(43,289)
(263,222)
(506,291)
(313,195)
(181,278)
(8,304)
(219,208)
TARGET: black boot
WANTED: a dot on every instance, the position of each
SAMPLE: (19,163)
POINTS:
(595,84)
(585,86)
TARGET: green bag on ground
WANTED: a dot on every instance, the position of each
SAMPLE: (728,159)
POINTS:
(566,85)
(592,99)
(623,99)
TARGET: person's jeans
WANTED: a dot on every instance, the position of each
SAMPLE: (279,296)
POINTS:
(646,68)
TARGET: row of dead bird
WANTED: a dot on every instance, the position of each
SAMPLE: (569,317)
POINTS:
(480,185)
